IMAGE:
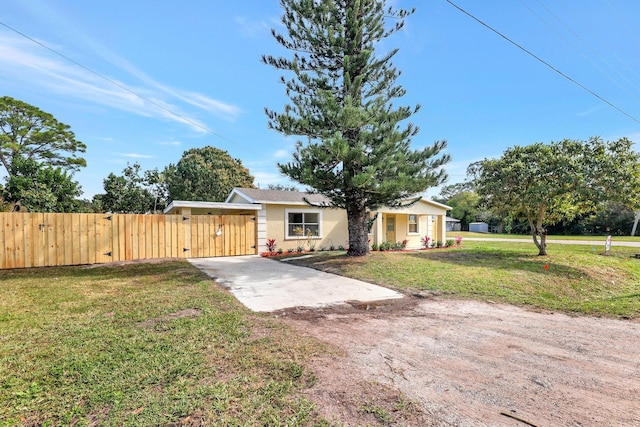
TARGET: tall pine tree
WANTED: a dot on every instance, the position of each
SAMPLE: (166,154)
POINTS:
(356,152)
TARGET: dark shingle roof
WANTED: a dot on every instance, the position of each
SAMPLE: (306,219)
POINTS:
(258,195)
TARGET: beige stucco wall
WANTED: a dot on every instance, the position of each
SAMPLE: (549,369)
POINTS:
(430,223)
(334,227)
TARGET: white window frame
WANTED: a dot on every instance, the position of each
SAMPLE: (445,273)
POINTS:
(302,211)
(409,232)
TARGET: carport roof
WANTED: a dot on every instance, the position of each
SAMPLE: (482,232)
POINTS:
(211,208)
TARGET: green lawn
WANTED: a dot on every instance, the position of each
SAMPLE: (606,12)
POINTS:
(144,345)
(573,278)
(467,234)
(160,344)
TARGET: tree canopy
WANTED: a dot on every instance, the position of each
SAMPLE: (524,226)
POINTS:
(354,149)
(30,133)
(206,174)
(547,183)
(131,192)
(41,188)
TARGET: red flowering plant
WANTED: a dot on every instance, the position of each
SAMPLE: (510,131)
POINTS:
(271,245)
(425,241)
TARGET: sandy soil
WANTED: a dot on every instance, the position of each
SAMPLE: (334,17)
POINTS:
(463,363)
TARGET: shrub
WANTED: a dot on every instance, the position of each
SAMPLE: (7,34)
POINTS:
(322,249)
(300,249)
(438,243)
(425,241)
(290,250)
(449,243)
(374,247)
(404,244)
(280,251)
(341,248)
(332,248)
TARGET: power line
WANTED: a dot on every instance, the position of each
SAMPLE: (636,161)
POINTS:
(543,61)
(121,86)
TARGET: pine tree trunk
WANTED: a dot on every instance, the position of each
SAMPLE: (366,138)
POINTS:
(358,231)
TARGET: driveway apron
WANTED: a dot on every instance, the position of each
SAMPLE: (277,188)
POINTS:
(266,285)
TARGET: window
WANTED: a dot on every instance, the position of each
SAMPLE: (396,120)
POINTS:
(303,224)
(413,224)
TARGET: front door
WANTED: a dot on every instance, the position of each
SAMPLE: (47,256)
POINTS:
(391,228)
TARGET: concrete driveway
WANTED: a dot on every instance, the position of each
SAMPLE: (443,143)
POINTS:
(267,285)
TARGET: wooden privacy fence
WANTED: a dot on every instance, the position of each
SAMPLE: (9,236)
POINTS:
(54,239)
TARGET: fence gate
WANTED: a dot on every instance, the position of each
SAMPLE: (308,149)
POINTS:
(54,239)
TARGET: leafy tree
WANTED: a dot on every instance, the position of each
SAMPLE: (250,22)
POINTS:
(464,206)
(206,174)
(547,183)
(281,187)
(448,192)
(155,183)
(129,193)
(41,188)
(342,92)
(27,132)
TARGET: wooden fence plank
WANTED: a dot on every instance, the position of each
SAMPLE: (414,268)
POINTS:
(162,237)
(9,243)
(74,239)
(91,239)
(18,233)
(141,237)
(168,236)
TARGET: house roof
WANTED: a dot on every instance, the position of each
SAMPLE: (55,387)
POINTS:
(277,197)
(449,219)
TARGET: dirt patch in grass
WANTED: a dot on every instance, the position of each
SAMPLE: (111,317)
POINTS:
(435,362)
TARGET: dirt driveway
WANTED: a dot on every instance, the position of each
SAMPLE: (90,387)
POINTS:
(461,363)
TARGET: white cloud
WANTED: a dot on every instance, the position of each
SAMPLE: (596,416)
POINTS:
(170,143)
(263,178)
(252,28)
(136,155)
(280,154)
(25,63)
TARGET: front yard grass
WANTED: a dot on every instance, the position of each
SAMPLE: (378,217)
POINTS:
(144,345)
(527,237)
(572,279)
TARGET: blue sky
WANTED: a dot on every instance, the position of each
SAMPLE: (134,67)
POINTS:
(200,59)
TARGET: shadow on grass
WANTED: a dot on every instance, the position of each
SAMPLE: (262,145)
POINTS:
(500,259)
(479,257)
(104,271)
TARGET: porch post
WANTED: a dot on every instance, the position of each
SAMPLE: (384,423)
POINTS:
(378,231)
(441,228)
